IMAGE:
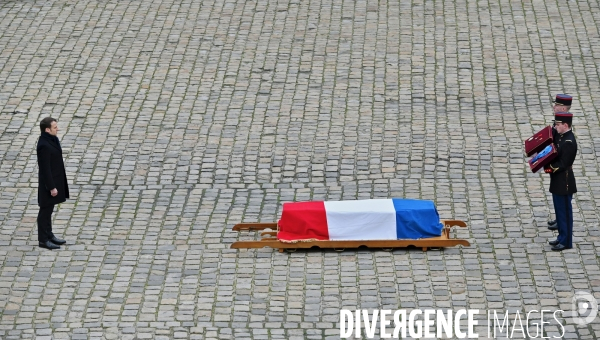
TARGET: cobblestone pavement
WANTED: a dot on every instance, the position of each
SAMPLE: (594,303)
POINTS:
(180,118)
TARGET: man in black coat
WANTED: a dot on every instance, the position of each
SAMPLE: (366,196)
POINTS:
(562,180)
(52,188)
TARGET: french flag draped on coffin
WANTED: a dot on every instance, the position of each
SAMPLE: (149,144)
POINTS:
(374,219)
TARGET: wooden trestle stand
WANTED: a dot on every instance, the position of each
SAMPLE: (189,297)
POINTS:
(269,239)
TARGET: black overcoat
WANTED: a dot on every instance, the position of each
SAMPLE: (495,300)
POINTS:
(52,174)
(562,178)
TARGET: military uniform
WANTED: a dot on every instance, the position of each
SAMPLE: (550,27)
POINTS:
(562,103)
(562,179)
(562,183)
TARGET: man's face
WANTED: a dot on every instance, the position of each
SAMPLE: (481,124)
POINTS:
(53,129)
(561,127)
(561,108)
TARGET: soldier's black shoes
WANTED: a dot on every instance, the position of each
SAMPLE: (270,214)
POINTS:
(553,243)
(553,227)
(57,240)
(551,223)
(559,247)
(49,245)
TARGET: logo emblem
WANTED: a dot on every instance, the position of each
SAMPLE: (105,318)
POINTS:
(585,308)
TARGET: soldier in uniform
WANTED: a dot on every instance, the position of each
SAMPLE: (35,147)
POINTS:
(562,180)
(562,103)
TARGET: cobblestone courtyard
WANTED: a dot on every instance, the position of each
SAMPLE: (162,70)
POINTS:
(180,118)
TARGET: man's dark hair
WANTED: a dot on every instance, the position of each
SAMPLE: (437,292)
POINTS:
(46,123)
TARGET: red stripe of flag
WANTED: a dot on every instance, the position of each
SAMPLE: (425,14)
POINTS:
(303,220)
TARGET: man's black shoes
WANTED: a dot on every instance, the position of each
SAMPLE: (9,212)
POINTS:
(559,247)
(553,243)
(52,243)
(57,240)
(552,225)
(49,245)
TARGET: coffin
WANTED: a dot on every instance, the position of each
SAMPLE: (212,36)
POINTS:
(538,141)
(374,219)
(543,158)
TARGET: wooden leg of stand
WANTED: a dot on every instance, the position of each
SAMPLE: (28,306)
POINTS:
(254,226)
(452,223)
(424,248)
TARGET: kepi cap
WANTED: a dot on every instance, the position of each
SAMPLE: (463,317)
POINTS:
(563,99)
(563,117)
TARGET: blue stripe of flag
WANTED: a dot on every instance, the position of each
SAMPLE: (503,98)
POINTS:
(416,219)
